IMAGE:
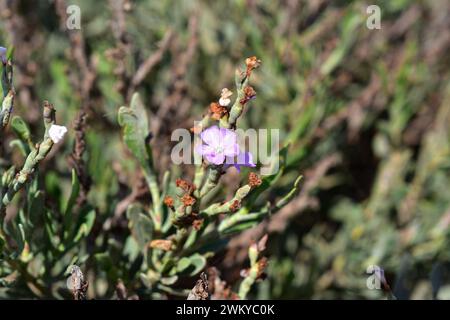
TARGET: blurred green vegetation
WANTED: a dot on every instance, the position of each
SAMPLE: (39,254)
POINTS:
(367,113)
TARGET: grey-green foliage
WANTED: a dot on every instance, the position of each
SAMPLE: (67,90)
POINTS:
(171,247)
(329,84)
(37,243)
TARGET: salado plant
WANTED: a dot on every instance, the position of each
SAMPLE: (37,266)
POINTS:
(185,224)
(174,234)
(35,239)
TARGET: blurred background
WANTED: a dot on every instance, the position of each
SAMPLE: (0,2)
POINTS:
(367,113)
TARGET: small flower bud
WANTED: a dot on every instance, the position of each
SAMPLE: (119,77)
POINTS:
(235,205)
(249,93)
(225,100)
(262,264)
(254,180)
(168,201)
(165,245)
(197,224)
(252,63)
(188,200)
(186,186)
(217,110)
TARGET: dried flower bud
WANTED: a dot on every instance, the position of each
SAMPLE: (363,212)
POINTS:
(197,224)
(57,133)
(235,205)
(249,93)
(225,100)
(262,264)
(188,200)
(244,273)
(252,63)
(262,243)
(162,244)
(196,130)
(217,111)
(168,201)
(49,113)
(254,180)
(185,185)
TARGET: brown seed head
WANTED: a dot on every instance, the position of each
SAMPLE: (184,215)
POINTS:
(197,224)
(187,200)
(262,264)
(235,205)
(185,185)
(252,63)
(249,93)
(217,111)
(162,244)
(254,180)
(168,201)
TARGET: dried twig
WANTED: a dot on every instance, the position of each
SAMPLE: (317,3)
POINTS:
(200,291)
(85,81)
(147,66)
(77,283)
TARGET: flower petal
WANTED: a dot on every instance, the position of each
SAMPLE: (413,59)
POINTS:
(215,158)
(3,54)
(246,159)
(229,142)
(57,133)
(211,136)
(203,149)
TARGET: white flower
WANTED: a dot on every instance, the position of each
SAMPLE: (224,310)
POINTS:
(3,54)
(57,133)
(225,97)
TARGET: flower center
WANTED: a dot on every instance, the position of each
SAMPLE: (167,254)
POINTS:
(219,149)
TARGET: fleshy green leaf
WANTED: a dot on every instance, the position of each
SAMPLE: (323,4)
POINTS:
(20,129)
(141,225)
(134,122)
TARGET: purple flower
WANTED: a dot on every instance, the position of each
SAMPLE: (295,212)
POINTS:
(3,54)
(244,159)
(219,143)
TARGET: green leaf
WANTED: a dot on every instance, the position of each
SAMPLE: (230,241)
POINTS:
(241,227)
(141,226)
(183,264)
(21,129)
(70,203)
(68,217)
(50,228)
(169,280)
(73,194)
(8,176)
(36,208)
(20,145)
(267,181)
(240,222)
(85,224)
(134,122)
(2,244)
(198,262)
(288,197)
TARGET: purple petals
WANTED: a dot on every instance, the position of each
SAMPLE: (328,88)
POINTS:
(210,136)
(3,54)
(244,159)
(218,144)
